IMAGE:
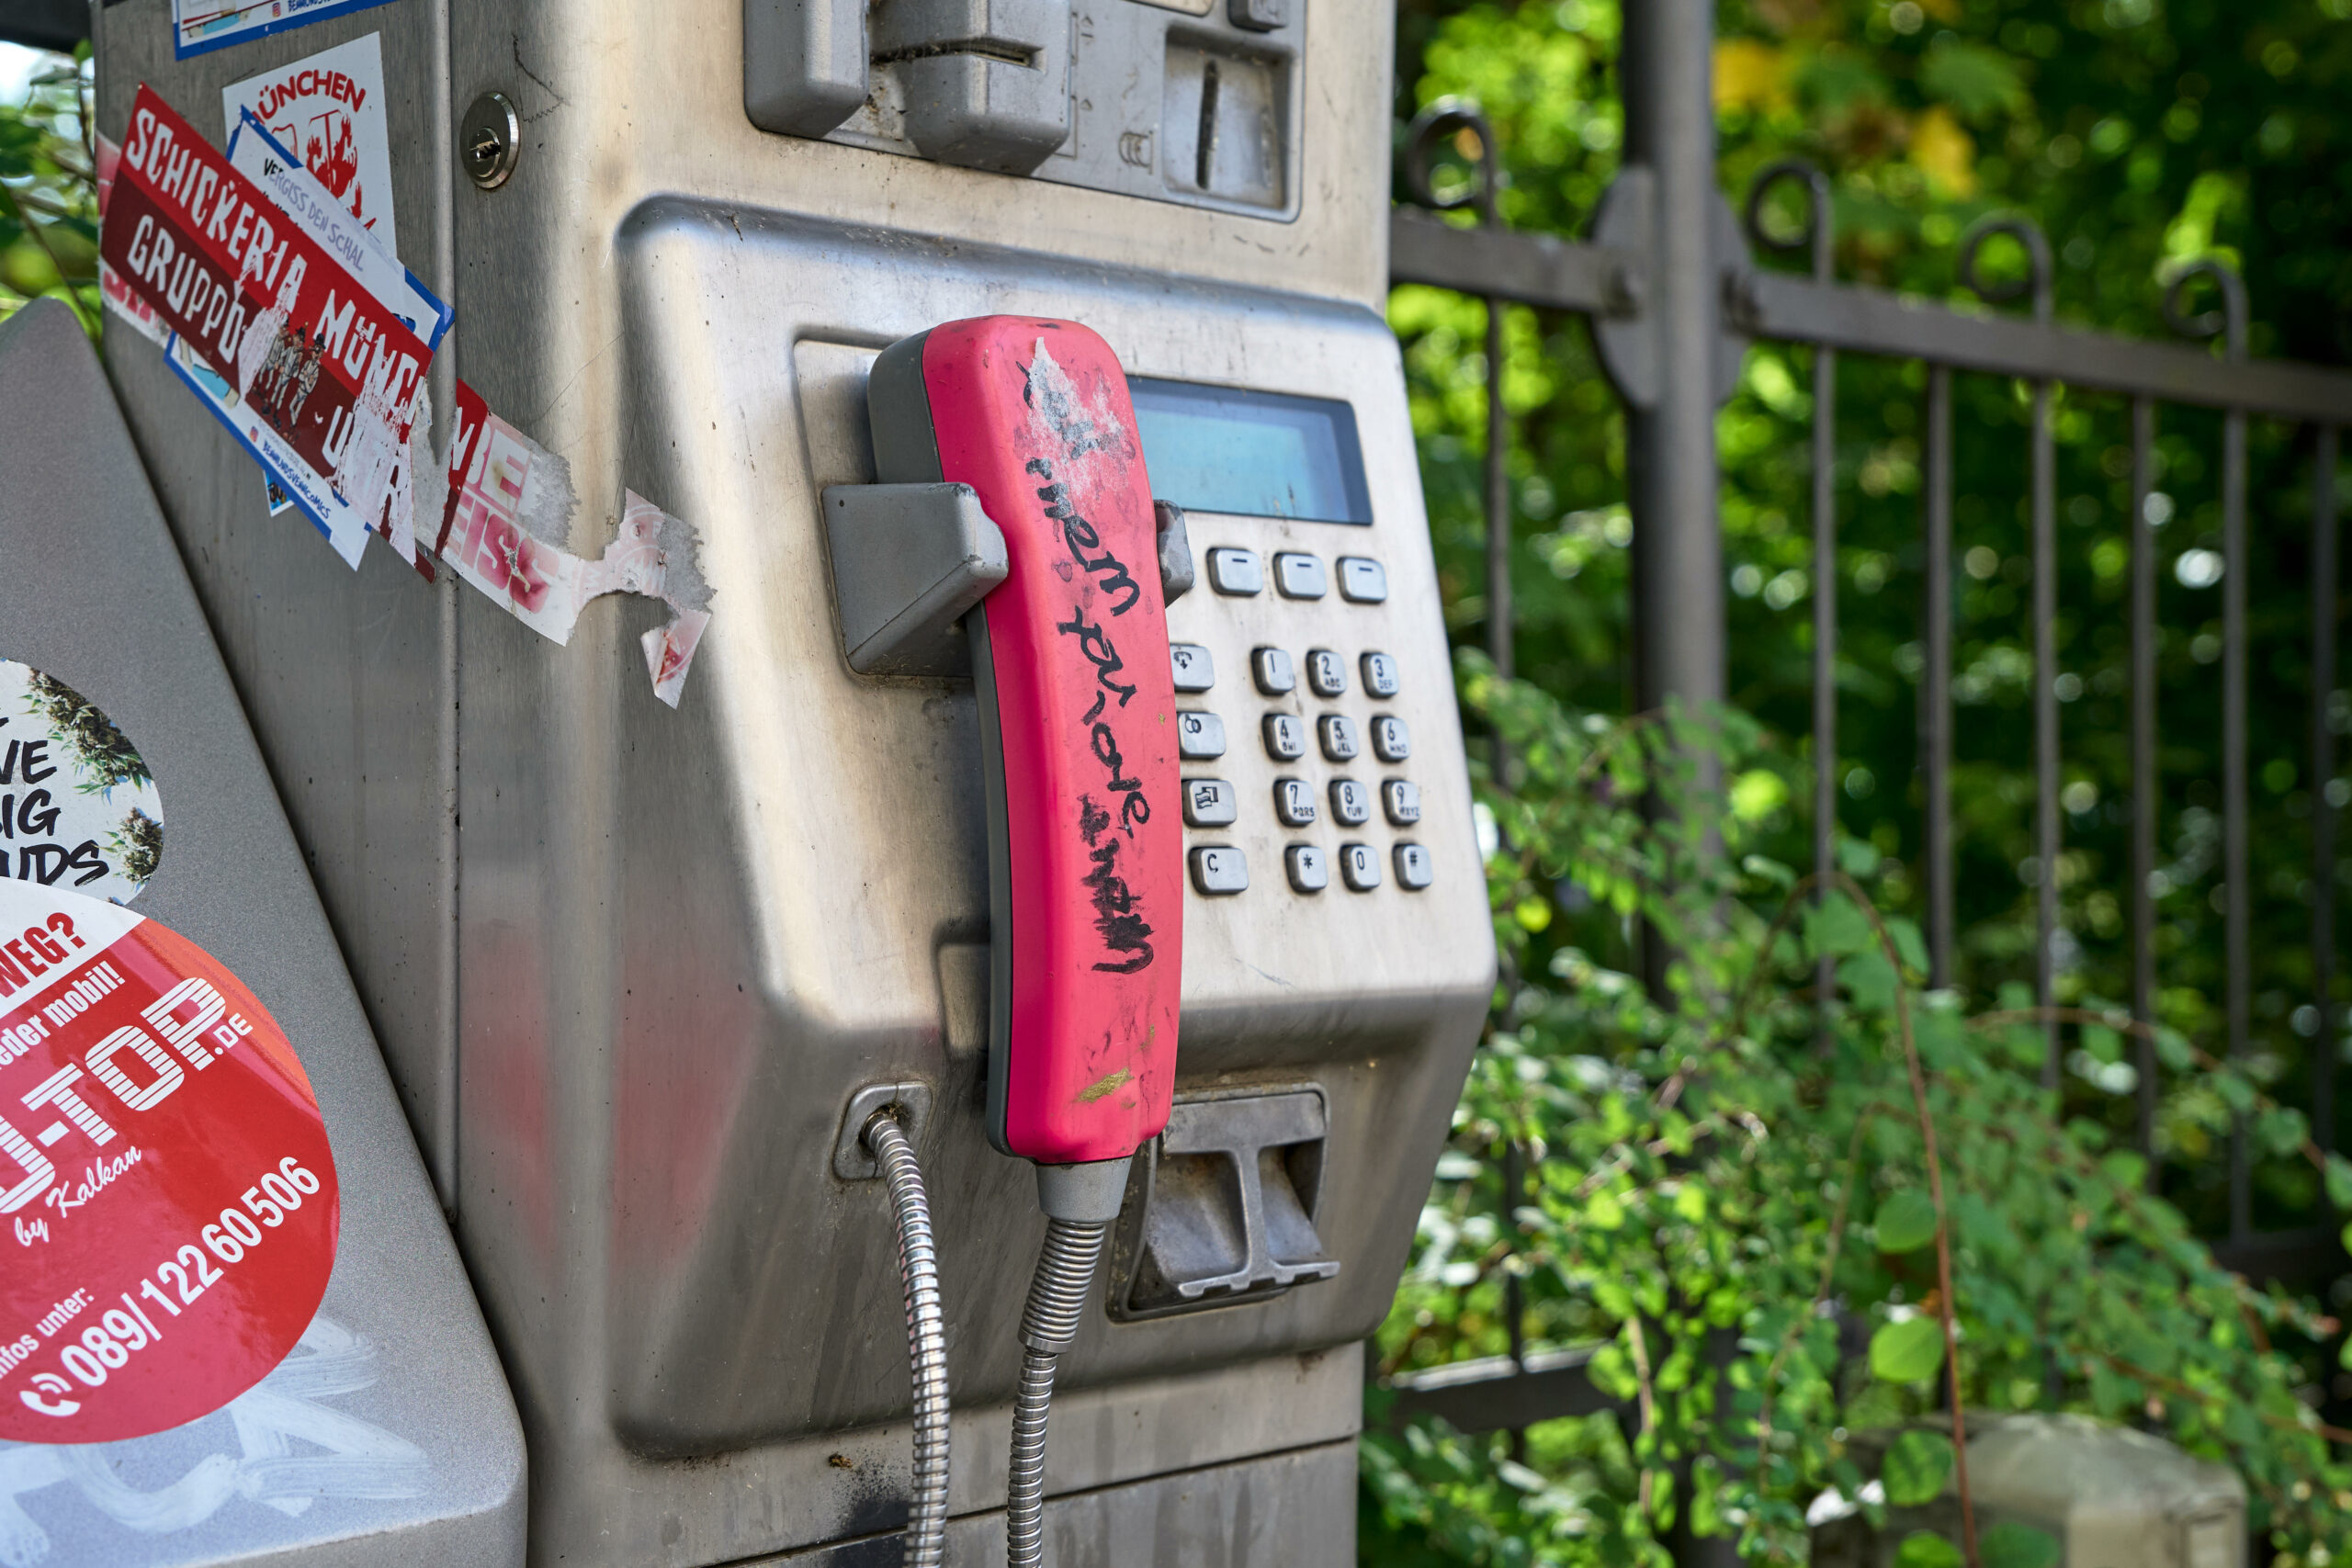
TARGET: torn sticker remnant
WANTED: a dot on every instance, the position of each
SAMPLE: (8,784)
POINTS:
(506,520)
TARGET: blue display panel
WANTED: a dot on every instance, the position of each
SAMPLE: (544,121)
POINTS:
(1256,453)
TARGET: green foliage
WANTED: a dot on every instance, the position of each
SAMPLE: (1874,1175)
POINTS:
(1708,1164)
(48,202)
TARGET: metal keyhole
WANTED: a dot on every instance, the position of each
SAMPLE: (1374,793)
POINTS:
(489,140)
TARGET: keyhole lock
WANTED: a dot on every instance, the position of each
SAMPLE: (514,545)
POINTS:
(489,140)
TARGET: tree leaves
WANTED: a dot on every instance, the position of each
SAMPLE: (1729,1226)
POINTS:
(1924,1549)
(1918,1464)
(1909,1351)
(1906,1221)
(2011,1544)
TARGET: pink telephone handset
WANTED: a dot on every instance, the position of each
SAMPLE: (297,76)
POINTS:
(1077,717)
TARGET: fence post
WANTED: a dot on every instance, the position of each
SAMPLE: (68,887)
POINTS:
(1667,69)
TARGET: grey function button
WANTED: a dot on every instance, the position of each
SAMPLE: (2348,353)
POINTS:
(1351,803)
(1221,868)
(1209,803)
(1305,866)
(1413,867)
(1338,734)
(1362,580)
(1401,799)
(1285,737)
(1195,671)
(1199,737)
(1300,576)
(1391,741)
(1236,571)
(1294,802)
(1272,669)
(1327,672)
(1380,674)
(1359,865)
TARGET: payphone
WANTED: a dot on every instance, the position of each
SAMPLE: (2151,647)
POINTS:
(646,976)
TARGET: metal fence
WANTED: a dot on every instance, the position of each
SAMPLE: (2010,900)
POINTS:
(1669,284)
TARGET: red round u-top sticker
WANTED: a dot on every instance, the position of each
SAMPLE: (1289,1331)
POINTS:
(168,1212)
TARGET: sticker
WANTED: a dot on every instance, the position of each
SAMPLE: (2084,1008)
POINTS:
(275,494)
(505,523)
(78,808)
(328,109)
(305,340)
(201,24)
(168,1198)
(126,302)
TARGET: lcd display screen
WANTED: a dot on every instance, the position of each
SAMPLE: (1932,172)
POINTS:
(1255,454)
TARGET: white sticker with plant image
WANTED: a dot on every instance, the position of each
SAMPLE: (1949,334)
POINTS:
(78,808)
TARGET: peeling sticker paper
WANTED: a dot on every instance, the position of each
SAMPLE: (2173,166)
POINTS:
(198,26)
(78,808)
(328,109)
(305,339)
(507,521)
(168,1204)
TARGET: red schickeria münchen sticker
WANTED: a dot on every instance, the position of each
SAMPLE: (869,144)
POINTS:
(168,1210)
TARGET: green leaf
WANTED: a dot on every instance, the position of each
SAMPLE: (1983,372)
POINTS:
(1857,857)
(2013,1545)
(1970,78)
(1870,979)
(1909,1351)
(2339,1181)
(1916,1468)
(1906,1221)
(1924,1549)
(1836,927)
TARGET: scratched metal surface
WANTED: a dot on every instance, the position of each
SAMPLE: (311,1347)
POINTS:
(398,1397)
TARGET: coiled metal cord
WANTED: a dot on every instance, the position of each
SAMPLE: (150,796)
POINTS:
(1048,1325)
(926,1336)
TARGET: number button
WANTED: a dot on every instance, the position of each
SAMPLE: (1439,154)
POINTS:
(1401,799)
(1327,672)
(1220,869)
(1285,737)
(1359,865)
(1300,577)
(1272,669)
(1413,867)
(1199,737)
(1338,734)
(1361,580)
(1391,742)
(1294,802)
(1351,802)
(1195,671)
(1236,572)
(1304,864)
(1209,803)
(1380,674)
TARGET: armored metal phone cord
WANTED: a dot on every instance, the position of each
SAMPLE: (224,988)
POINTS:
(926,1336)
(1048,1325)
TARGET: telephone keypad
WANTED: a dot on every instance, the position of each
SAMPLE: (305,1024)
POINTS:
(1300,576)
(1199,735)
(1195,671)
(1220,869)
(1271,668)
(1327,672)
(1215,806)
(1237,572)
(1361,580)
(1210,803)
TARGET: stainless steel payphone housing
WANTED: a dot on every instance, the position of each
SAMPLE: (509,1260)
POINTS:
(630,964)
